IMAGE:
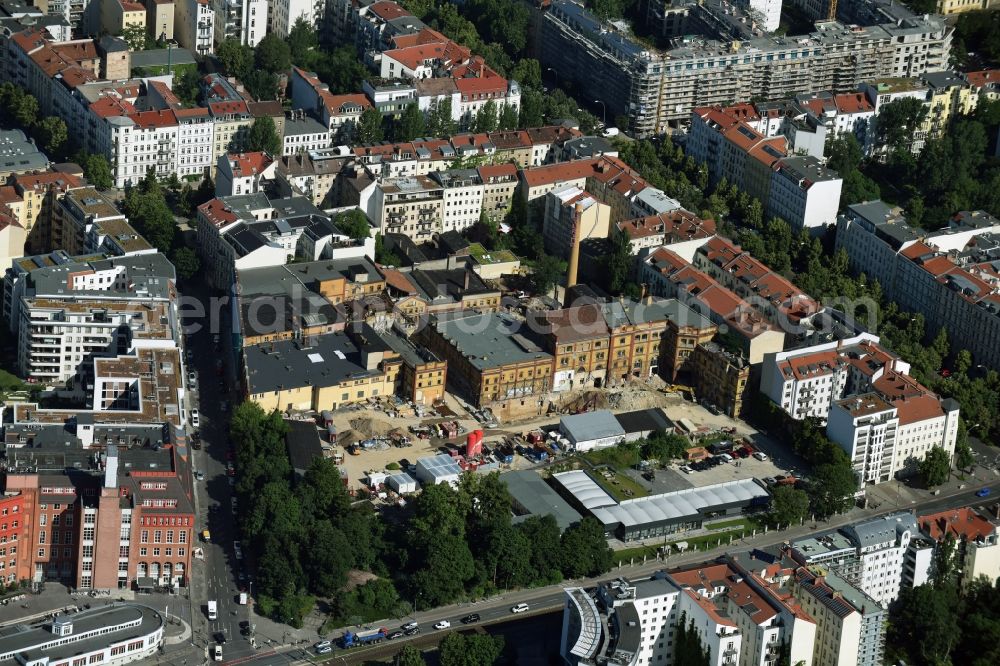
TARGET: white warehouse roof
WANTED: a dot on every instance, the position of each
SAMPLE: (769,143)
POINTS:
(584,489)
(438,469)
(667,507)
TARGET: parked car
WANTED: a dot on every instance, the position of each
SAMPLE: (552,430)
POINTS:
(192,379)
(195,418)
(760,455)
(442,624)
(686,469)
(200,476)
(413,631)
(217,653)
(324,650)
(470,618)
(520,608)
(322,644)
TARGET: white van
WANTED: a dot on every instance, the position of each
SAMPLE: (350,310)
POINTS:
(213,610)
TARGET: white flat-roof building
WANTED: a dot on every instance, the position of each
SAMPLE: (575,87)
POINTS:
(592,430)
(111,636)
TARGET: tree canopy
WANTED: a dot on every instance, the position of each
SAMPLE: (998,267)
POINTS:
(263,135)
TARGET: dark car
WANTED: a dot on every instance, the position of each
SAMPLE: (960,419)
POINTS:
(398,633)
(220,637)
(413,631)
(469,619)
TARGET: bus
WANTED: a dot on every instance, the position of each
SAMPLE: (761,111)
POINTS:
(213,610)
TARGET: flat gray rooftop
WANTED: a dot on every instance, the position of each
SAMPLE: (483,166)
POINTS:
(530,493)
(490,340)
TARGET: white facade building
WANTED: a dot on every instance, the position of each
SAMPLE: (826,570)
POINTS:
(244,20)
(804,193)
(865,426)
(284,14)
(194,25)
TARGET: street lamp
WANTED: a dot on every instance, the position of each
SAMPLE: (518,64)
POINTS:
(604,111)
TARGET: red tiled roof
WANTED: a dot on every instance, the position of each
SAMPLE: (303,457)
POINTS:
(853,103)
(107,107)
(498,171)
(154,119)
(44,179)
(983,78)
(228,108)
(248,164)
(216,213)
(388,11)
(335,103)
(425,36)
(31,39)
(561,172)
(962,523)
(398,281)
(677,225)
(8,194)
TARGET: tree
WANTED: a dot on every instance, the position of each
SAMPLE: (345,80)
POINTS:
(897,123)
(273,54)
(585,550)
(546,273)
(25,110)
(486,118)
(302,40)
(96,169)
(261,84)
(935,467)
(237,59)
(508,117)
(135,37)
(963,362)
(542,532)
(833,488)
(52,132)
(353,223)
(263,135)
(688,648)
(788,505)
(186,262)
(663,446)
(472,650)
(410,124)
(440,123)
(186,86)
(964,457)
(620,262)
(370,127)
(922,623)
(147,209)
(410,656)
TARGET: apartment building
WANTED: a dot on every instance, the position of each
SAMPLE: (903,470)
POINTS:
(303,134)
(85,222)
(312,176)
(12,238)
(411,205)
(66,313)
(669,275)
(805,382)
(680,230)
(31,198)
(463,198)
(977,548)
(948,276)
(865,427)
(947,7)
(119,15)
(796,188)
(777,299)
(244,20)
(194,25)
(243,173)
(607,178)
(869,554)
(573,215)
(160,18)
(499,185)
(340,113)
(739,617)
(284,14)
(850,625)
(655,89)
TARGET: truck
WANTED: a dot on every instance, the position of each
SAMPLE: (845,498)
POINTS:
(213,610)
(356,638)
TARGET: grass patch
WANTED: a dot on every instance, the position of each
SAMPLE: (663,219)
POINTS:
(619,486)
(729,524)
(615,456)
(626,556)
